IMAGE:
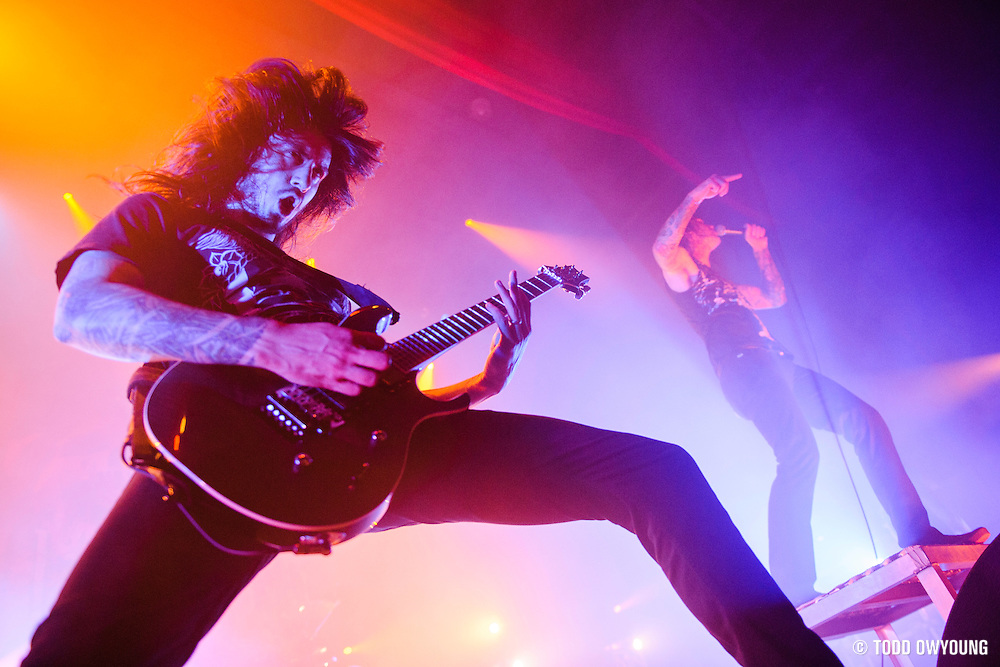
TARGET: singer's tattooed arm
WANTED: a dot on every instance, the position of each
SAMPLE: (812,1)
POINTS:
(673,229)
(773,293)
(669,238)
(673,259)
(774,285)
(676,263)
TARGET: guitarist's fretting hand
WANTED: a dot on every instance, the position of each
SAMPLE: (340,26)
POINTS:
(320,355)
(514,327)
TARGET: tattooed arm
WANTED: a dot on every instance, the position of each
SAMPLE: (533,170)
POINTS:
(773,294)
(103,309)
(676,263)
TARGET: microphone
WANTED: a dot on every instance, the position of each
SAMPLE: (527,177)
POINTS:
(722,231)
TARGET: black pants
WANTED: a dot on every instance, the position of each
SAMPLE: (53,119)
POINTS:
(786,401)
(974,622)
(149,587)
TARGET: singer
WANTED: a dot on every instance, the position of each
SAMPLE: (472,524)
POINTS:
(784,400)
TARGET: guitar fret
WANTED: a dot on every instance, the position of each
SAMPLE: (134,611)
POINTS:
(446,335)
(437,349)
(535,289)
(408,349)
(472,326)
(448,327)
(468,328)
(422,349)
(404,363)
(435,336)
(409,345)
(482,315)
(467,323)
(429,339)
(421,346)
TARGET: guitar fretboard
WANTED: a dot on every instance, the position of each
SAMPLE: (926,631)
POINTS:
(422,346)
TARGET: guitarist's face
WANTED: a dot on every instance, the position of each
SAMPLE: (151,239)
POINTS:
(283,180)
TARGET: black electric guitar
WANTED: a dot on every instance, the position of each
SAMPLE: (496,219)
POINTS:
(258,463)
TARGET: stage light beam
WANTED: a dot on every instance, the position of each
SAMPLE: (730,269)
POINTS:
(942,387)
(526,247)
(84,221)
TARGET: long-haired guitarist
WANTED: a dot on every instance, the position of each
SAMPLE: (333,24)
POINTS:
(190,268)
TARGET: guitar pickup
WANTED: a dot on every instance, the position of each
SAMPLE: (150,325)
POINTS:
(284,417)
(300,409)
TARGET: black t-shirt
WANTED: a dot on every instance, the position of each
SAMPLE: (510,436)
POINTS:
(722,317)
(188,256)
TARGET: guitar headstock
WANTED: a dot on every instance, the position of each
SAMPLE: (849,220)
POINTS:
(568,277)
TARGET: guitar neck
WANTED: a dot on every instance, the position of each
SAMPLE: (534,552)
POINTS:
(422,346)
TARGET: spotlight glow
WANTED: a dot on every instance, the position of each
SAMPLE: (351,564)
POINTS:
(637,644)
(526,247)
(84,221)
(494,628)
(425,378)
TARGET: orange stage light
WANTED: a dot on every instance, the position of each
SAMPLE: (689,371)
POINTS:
(528,248)
(425,378)
(942,387)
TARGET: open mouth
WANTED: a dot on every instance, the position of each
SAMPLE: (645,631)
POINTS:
(286,205)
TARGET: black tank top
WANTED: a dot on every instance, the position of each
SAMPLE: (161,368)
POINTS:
(722,317)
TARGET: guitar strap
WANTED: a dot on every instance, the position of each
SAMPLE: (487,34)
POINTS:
(364,297)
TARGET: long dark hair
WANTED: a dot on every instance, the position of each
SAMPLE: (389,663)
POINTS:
(211,154)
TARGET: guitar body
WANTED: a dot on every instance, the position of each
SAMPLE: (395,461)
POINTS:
(256,462)
(242,448)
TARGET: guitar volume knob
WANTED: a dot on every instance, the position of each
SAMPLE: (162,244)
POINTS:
(301,461)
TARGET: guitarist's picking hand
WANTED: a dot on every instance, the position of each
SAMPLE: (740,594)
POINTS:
(320,354)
